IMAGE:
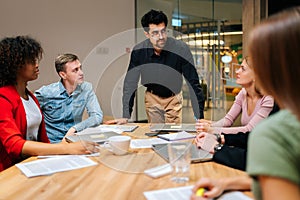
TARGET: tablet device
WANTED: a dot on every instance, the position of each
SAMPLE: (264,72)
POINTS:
(152,134)
(197,155)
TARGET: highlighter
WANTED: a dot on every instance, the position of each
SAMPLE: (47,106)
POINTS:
(200,192)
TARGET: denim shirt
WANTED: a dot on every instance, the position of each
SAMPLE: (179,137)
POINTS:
(62,111)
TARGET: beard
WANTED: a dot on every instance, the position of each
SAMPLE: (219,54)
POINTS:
(160,43)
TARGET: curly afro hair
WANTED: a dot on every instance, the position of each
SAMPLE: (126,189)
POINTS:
(15,52)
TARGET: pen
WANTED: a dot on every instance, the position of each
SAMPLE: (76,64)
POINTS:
(200,192)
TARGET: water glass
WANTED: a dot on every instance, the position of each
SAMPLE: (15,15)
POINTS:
(180,160)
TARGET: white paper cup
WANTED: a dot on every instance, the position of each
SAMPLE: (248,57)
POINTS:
(119,145)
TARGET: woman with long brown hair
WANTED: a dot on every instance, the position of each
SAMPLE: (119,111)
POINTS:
(273,159)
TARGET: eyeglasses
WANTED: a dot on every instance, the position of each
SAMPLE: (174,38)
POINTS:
(157,34)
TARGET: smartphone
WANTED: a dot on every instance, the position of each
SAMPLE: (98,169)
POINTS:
(152,134)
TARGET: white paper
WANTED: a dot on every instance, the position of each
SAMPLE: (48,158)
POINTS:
(146,143)
(122,128)
(53,165)
(57,156)
(236,195)
(185,192)
(177,136)
(159,171)
(98,129)
(178,193)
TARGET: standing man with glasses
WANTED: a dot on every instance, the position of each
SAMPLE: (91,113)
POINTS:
(161,61)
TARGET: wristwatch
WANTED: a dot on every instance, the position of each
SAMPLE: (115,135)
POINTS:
(218,147)
(218,136)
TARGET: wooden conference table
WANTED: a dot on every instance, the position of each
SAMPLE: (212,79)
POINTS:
(115,177)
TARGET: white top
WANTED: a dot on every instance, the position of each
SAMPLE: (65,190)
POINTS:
(33,118)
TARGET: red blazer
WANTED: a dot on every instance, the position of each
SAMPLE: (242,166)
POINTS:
(13,126)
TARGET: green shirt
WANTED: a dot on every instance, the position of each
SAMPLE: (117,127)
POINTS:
(274,149)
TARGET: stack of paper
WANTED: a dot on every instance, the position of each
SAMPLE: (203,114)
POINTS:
(54,164)
(108,128)
(123,128)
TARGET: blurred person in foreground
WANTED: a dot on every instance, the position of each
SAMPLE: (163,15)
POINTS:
(273,158)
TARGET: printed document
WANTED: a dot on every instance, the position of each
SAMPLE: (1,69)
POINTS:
(55,164)
(185,192)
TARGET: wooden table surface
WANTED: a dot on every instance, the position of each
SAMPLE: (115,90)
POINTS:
(115,177)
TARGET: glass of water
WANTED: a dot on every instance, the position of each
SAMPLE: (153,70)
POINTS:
(180,160)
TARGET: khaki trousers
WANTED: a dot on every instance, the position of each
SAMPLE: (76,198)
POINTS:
(163,110)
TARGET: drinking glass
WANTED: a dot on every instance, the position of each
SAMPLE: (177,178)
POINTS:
(180,160)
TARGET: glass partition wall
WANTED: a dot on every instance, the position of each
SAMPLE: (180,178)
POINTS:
(213,31)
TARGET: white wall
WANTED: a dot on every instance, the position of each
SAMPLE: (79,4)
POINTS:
(75,26)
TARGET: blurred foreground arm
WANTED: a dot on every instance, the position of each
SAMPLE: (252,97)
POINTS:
(33,148)
(278,188)
(216,187)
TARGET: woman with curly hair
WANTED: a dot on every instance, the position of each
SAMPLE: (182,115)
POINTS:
(22,127)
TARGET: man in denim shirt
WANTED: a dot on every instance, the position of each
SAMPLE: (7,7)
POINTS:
(64,102)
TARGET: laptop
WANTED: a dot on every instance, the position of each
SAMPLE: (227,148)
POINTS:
(173,127)
(197,155)
(99,138)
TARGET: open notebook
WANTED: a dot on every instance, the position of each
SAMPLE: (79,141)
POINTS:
(173,127)
(197,155)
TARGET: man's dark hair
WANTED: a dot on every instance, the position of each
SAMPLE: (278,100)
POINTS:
(153,17)
(15,53)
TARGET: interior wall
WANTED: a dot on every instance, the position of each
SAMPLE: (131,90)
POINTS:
(72,26)
(253,12)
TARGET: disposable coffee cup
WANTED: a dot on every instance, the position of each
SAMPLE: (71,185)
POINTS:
(118,145)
